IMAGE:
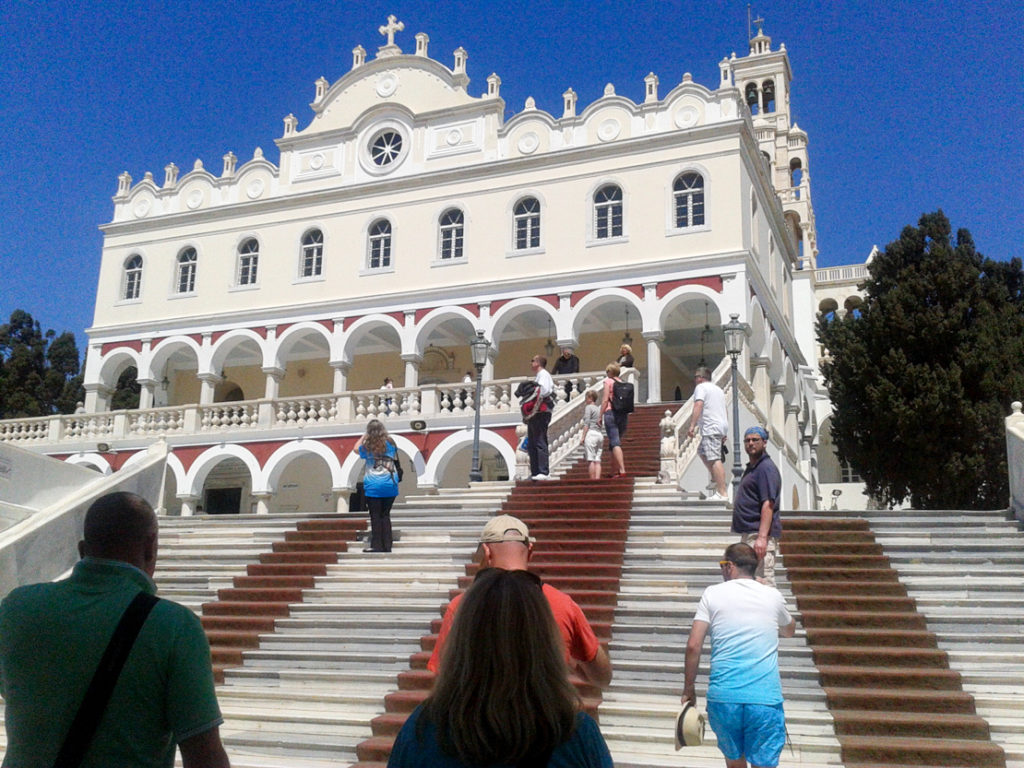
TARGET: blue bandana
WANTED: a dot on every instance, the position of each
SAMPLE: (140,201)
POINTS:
(759,431)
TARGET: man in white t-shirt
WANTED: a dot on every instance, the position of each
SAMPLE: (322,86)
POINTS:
(744,700)
(710,415)
(537,426)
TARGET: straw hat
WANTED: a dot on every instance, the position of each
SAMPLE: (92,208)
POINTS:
(690,727)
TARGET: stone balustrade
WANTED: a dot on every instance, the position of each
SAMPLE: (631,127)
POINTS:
(454,401)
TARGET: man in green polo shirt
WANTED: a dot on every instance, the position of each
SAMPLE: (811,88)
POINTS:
(53,635)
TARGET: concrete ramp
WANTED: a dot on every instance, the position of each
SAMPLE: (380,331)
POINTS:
(43,503)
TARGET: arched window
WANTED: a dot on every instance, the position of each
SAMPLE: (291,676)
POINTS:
(187,261)
(688,190)
(452,231)
(608,212)
(311,255)
(750,95)
(379,245)
(768,96)
(132,278)
(526,216)
(248,262)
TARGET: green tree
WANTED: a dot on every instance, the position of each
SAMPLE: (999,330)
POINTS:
(126,393)
(39,372)
(923,374)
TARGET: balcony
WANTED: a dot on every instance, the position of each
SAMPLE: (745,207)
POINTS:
(449,405)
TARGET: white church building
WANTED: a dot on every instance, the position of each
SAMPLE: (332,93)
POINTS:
(263,305)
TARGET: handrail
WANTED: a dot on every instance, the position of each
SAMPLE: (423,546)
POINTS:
(677,448)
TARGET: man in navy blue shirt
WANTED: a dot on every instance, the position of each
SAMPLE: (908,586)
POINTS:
(755,512)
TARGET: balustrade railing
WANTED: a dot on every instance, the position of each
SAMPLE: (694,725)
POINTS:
(432,400)
(677,448)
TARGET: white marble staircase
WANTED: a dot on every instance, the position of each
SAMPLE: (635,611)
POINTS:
(671,556)
(963,568)
(305,697)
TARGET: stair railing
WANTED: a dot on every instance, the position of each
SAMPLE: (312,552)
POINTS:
(565,432)
(677,448)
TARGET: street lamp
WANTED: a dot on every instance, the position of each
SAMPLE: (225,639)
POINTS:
(735,334)
(478,346)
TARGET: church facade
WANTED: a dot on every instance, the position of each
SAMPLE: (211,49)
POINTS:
(263,307)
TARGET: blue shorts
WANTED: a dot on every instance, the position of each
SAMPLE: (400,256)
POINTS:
(754,731)
(615,427)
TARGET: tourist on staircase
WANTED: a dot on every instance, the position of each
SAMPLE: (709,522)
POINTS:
(380,482)
(744,698)
(507,544)
(615,412)
(503,696)
(96,670)
(755,512)
(711,417)
(566,363)
(593,435)
(538,418)
(625,356)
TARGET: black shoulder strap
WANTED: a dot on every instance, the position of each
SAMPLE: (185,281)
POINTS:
(94,704)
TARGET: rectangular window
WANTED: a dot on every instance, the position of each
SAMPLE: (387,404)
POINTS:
(247,270)
(187,277)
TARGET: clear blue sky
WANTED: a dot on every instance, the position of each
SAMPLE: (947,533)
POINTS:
(908,107)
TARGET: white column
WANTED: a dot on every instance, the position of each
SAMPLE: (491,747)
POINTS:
(340,377)
(97,398)
(653,366)
(262,503)
(341,498)
(760,383)
(777,415)
(208,383)
(273,382)
(412,369)
(146,393)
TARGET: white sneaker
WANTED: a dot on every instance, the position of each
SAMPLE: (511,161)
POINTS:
(541,477)
(716,496)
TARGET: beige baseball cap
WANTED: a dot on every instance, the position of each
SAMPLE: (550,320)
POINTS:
(505,528)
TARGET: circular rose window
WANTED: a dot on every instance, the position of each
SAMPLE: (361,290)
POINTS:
(386,147)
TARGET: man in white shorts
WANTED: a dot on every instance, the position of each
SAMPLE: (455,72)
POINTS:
(711,416)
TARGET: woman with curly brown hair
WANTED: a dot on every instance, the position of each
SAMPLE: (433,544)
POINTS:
(380,482)
(503,696)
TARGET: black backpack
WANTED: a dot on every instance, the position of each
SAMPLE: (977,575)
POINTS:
(622,397)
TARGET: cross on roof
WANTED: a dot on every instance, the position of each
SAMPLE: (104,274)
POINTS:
(389,29)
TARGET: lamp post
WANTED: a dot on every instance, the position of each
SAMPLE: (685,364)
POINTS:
(478,346)
(735,334)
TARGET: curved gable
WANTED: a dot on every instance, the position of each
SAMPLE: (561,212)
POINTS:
(415,84)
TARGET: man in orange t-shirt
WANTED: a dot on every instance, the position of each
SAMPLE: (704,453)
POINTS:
(507,544)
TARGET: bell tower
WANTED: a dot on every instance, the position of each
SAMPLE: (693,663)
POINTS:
(763,78)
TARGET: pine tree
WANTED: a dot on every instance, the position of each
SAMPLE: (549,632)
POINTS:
(39,372)
(922,375)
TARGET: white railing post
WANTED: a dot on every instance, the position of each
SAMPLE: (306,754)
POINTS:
(1015,458)
(191,420)
(120,429)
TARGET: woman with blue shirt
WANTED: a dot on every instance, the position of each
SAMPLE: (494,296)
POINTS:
(503,698)
(380,482)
